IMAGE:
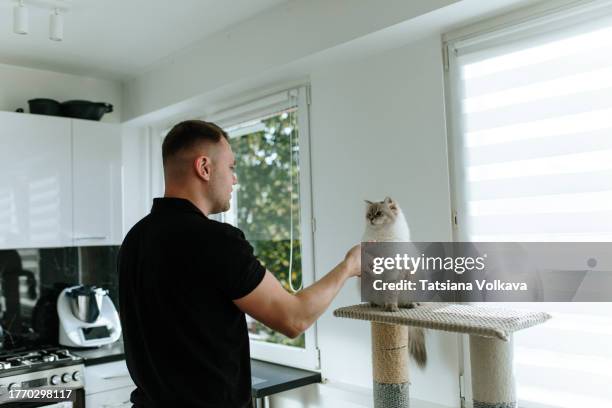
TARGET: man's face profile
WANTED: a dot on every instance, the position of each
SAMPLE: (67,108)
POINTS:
(222,177)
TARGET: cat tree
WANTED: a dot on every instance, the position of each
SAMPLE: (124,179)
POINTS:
(491,353)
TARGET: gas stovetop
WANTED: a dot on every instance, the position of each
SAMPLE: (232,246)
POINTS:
(50,368)
(34,360)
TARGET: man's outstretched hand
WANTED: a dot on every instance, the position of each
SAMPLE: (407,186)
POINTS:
(352,259)
(291,314)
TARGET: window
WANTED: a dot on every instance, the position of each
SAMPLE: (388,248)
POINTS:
(271,205)
(530,109)
(265,204)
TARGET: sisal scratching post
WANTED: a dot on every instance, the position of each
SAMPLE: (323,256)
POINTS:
(492,373)
(490,331)
(390,365)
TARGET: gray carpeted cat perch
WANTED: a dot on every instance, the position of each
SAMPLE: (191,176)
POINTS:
(490,331)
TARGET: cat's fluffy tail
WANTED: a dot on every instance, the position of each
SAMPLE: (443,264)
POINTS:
(416,345)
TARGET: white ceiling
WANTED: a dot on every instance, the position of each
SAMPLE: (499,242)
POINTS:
(118,39)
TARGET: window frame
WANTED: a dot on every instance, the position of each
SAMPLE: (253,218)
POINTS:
(307,357)
(531,25)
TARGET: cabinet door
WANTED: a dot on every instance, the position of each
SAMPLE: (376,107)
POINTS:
(105,377)
(118,398)
(96,182)
(35,181)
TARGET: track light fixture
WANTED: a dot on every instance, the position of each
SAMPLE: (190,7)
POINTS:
(56,19)
(20,18)
(56,26)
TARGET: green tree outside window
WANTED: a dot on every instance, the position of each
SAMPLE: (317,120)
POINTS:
(266,204)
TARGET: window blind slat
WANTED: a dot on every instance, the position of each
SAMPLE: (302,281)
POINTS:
(573,343)
(595,41)
(587,162)
(549,205)
(542,147)
(590,80)
(540,185)
(544,237)
(563,378)
(544,71)
(541,109)
(561,125)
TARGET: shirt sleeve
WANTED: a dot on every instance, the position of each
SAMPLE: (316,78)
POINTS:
(240,272)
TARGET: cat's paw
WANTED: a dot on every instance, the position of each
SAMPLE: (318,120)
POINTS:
(410,305)
(391,307)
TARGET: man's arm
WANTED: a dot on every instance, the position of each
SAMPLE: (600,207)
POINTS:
(290,314)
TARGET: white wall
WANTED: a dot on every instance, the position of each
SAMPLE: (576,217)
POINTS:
(292,31)
(19,84)
(378,129)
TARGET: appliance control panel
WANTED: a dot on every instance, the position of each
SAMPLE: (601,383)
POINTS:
(67,377)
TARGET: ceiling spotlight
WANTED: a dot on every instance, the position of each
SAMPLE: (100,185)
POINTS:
(20,18)
(56,26)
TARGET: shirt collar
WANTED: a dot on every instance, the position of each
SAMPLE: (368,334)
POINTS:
(174,204)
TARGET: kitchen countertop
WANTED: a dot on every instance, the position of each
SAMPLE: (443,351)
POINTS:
(101,355)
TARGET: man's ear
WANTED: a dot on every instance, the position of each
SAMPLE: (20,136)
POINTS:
(203,167)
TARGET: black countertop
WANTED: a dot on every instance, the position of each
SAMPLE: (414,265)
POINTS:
(103,354)
(266,378)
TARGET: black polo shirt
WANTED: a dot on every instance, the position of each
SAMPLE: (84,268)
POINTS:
(186,342)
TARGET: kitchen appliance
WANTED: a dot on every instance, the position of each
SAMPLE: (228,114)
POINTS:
(87,317)
(85,109)
(52,369)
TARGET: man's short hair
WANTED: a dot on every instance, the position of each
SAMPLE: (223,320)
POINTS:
(187,134)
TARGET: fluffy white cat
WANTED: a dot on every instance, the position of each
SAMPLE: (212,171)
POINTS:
(385,222)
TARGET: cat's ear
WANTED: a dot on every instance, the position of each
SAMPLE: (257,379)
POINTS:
(392,204)
(368,202)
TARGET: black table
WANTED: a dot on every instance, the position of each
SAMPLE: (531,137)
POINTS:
(268,379)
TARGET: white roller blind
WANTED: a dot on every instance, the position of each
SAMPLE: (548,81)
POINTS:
(536,135)
(532,151)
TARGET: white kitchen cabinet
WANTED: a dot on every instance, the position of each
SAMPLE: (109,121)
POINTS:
(108,385)
(118,398)
(60,182)
(96,161)
(35,181)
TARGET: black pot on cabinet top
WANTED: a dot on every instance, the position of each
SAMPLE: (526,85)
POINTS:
(45,106)
(85,109)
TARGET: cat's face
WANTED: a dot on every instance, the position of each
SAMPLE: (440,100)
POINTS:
(381,212)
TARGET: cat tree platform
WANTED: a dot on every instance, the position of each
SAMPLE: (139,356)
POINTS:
(491,353)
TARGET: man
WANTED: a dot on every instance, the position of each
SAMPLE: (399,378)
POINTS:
(186,283)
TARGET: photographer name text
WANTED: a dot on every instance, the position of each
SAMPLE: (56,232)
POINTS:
(424,284)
